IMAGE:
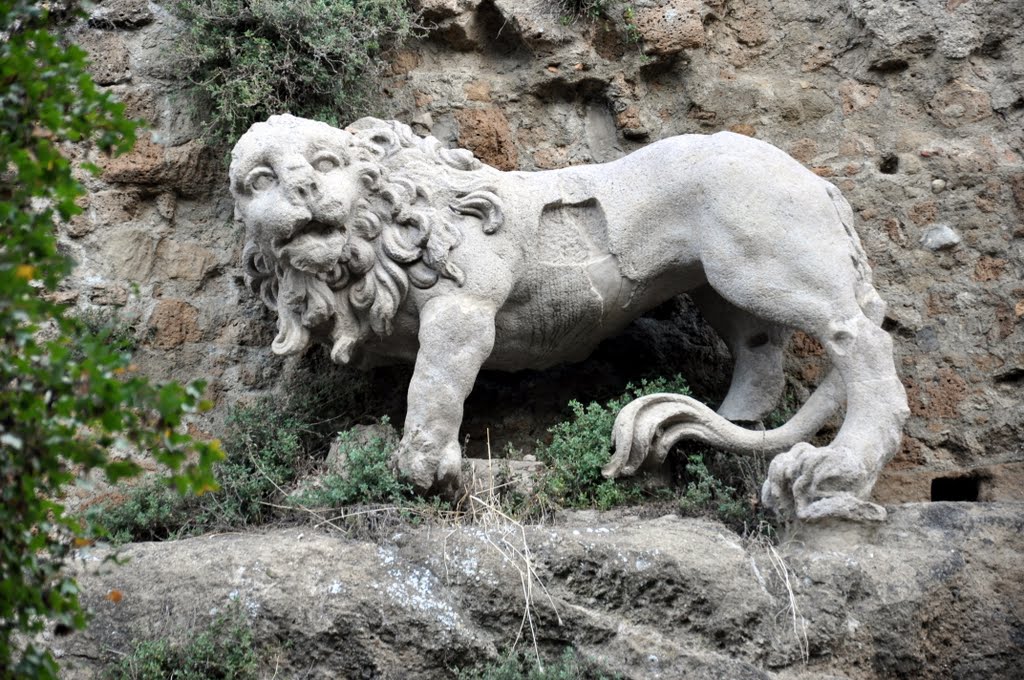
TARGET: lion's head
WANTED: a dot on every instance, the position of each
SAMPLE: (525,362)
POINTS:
(340,223)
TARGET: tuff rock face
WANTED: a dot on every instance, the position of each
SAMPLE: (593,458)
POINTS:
(936,592)
(912,108)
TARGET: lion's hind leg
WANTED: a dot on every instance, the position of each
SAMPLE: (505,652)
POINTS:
(757,350)
(818,294)
(836,480)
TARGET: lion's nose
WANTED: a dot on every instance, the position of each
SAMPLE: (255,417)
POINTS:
(304,189)
(301,184)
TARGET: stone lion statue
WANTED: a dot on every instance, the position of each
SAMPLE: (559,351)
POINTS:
(384,246)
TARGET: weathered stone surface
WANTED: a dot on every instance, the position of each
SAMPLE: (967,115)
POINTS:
(456,23)
(190,169)
(186,261)
(108,56)
(541,276)
(486,133)
(857,96)
(120,14)
(172,323)
(934,593)
(437,10)
(671,28)
(959,103)
(918,27)
(129,254)
(109,208)
(109,294)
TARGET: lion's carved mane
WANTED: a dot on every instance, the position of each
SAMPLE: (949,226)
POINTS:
(401,233)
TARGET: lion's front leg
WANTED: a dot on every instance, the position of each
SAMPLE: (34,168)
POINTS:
(456,337)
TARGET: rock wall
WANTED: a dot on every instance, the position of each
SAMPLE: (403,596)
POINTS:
(934,593)
(914,108)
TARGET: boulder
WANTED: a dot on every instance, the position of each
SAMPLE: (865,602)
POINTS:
(935,592)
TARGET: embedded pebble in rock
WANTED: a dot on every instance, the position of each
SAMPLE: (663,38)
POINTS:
(940,237)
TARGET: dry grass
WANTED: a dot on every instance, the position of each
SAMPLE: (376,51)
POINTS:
(508,537)
(784,577)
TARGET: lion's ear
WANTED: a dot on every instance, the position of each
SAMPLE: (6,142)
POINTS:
(370,177)
(484,205)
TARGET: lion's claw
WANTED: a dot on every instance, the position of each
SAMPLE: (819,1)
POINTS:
(428,467)
(812,483)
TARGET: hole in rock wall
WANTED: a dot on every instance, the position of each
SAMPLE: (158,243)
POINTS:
(965,488)
(889,165)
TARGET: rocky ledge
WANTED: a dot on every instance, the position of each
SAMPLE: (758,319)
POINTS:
(937,591)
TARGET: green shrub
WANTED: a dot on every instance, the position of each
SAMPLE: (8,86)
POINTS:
(319,59)
(580,447)
(117,332)
(149,511)
(704,492)
(727,487)
(569,666)
(224,650)
(262,447)
(575,10)
(67,395)
(366,476)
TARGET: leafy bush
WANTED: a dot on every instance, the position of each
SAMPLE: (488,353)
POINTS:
(582,446)
(520,667)
(726,487)
(575,10)
(117,332)
(224,650)
(262,446)
(319,59)
(66,395)
(366,476)
(705,492)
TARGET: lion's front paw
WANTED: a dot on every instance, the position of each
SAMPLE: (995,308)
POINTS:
(812,483)
(429,467)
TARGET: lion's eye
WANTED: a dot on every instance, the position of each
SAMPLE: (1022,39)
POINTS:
(326,162)
(260,179)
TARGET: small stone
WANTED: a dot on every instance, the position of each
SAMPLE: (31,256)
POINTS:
(165,205)
(940,237)
(424,120)
(938,186)
(64,297)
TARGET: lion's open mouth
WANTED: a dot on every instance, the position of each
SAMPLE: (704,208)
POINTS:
(314,227)
(314,248)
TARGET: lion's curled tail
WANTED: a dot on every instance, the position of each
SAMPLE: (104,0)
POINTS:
(647,428)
